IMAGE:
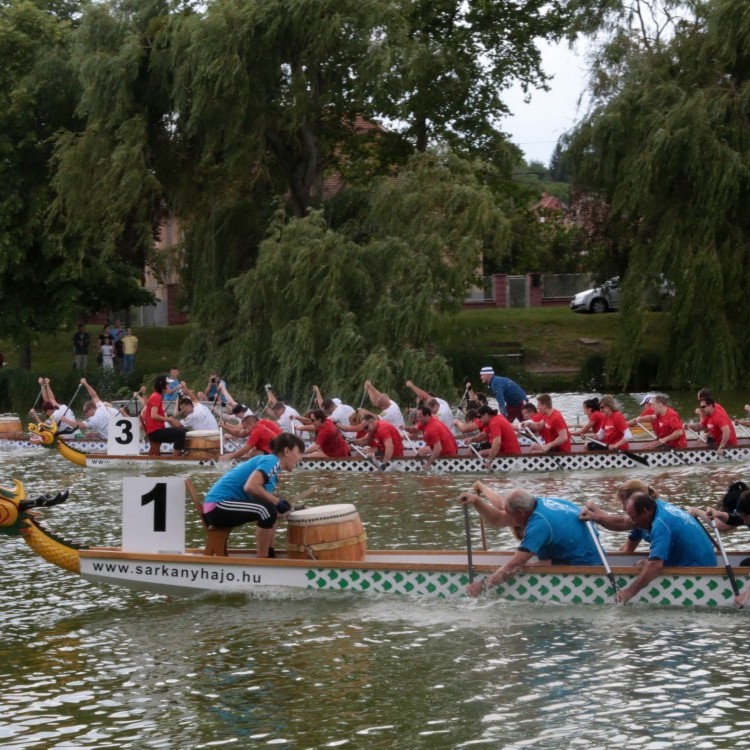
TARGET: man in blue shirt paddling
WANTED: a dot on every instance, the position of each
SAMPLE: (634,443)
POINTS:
(551,532)
(675,536)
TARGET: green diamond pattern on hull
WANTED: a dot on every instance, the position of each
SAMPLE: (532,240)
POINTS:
(668,590)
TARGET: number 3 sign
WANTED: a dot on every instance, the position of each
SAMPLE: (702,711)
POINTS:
(153,514)
(123,436)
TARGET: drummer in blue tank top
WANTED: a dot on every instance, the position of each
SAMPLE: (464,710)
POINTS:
(551,531)
(247,493)
(675,536)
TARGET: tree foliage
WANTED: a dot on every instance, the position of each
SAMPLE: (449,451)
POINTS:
(339,307)
(668,147)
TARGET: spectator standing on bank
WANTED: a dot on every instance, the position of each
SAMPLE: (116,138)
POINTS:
(107,350)
(81,348)
(129,349)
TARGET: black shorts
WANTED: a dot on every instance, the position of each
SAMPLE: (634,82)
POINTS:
(230,513)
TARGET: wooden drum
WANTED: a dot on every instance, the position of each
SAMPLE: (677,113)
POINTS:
(202,444)
(328,532)
(10,424)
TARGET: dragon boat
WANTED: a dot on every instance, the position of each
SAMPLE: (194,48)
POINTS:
(13,436)
(326,551)
(579,459)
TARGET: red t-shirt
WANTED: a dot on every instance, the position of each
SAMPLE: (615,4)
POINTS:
(554,424)
(667,424)
(614,429)
(499,426)
(597,421)
(435,431)
(271,425)
(261,436)
(714,424)
(155,399)
(383,432)
(331,441)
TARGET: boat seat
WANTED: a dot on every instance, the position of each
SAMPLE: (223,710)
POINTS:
(154,449)
(216,539)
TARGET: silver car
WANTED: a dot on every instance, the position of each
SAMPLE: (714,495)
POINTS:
(601,299)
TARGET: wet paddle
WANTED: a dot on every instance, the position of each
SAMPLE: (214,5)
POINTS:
(469,556)
(538,441)
(723,553)
(364,455)
(480,457)
(632,456)
(602,556)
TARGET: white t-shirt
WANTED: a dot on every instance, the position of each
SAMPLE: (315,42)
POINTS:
(100,421)
(342,414)
(286,421)
(200,419)
(393,415)
(63,428)
(444,413)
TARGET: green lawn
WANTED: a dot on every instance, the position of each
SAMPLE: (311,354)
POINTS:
(559,345)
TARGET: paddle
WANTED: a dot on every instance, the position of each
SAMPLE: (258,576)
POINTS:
(602,556)
(469,557)
(632,456)
(460,403)
(405,434)
(668,447)
(366,457)
(538,440)
(481,457)
(723,553)
(38,396)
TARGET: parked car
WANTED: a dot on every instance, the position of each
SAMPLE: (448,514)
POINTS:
(600,299)
(606,298)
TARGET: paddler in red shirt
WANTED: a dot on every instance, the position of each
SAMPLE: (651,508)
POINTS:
(438,438)
(554,432)
(329,442)
(716,423)
(498,432)
(670,432)
(383,437)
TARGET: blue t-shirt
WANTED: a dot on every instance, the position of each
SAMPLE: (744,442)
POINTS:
(506,391)
(232,485)
(676,539)
(555,532)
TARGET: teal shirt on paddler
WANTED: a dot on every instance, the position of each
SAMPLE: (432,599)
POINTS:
(232,485)
(676,538)
(555,533)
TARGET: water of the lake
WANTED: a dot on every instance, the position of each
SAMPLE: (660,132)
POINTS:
(86,666)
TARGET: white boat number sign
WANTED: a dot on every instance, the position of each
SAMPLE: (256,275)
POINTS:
(123,436)
(153,514)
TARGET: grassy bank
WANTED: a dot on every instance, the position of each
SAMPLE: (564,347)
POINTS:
(562,351)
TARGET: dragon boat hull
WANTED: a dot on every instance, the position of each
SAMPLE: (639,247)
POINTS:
(437,574)
(579,459)
(441,575)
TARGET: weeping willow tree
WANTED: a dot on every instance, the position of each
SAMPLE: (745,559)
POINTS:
(338,307)
(667,146)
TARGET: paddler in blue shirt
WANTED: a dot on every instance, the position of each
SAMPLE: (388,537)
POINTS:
(676,538)
(247,493)
(551,532)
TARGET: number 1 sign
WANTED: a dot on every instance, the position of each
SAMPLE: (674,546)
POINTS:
(153,514)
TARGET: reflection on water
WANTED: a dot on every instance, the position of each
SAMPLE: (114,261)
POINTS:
(86,666)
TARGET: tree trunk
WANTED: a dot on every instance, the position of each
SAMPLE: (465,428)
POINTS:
(24,356)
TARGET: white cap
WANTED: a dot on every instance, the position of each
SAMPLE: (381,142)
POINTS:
(486,371)
(336,401)
(248,413)
(647,398)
